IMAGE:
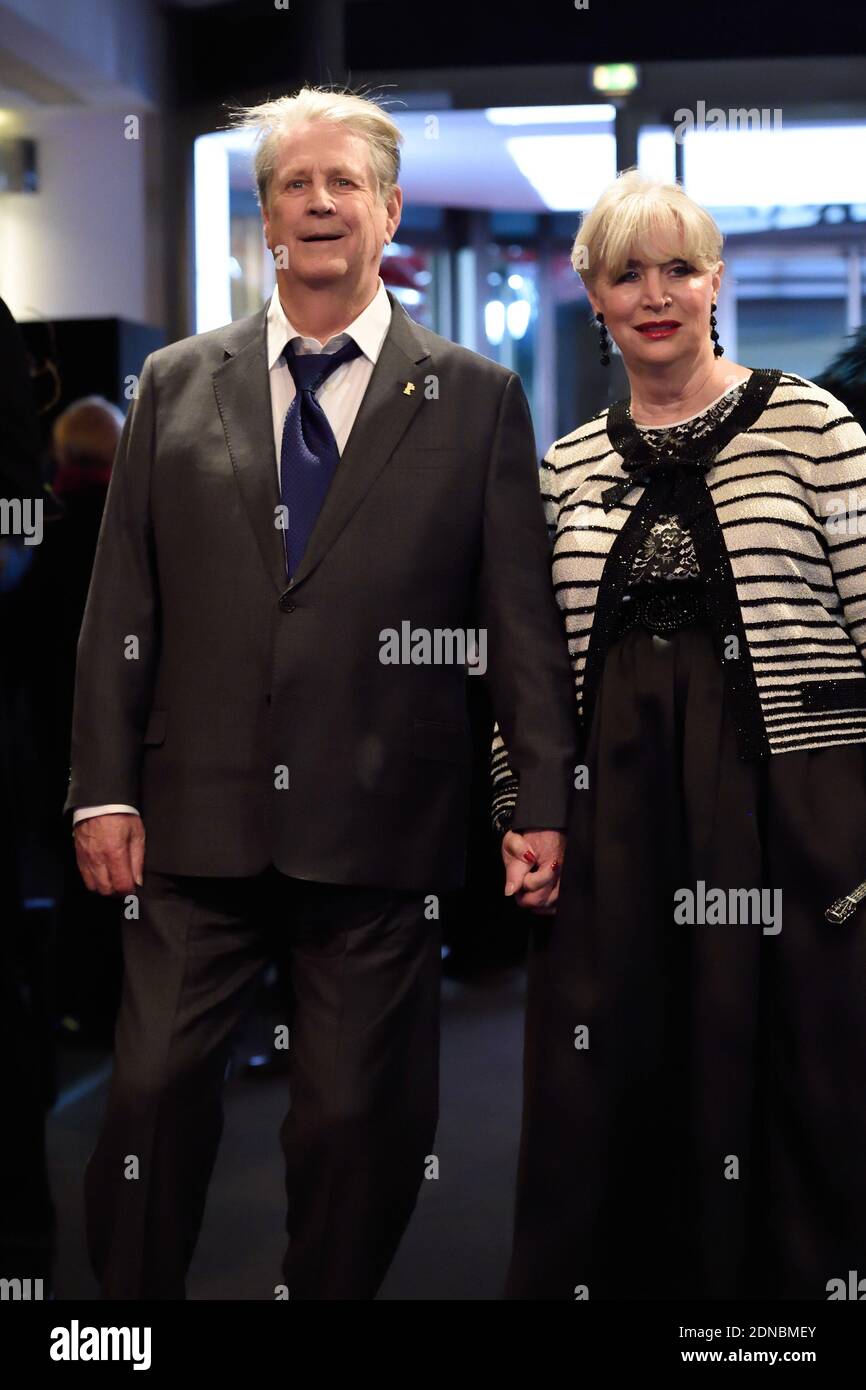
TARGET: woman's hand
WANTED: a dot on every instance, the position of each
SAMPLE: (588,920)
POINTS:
(533,863)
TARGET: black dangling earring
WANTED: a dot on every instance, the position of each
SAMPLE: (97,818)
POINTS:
(718,350)
(603,341)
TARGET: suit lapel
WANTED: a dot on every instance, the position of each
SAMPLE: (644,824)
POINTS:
(243,397)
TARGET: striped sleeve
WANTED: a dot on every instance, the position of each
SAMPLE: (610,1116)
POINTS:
(504,783)
(841,498)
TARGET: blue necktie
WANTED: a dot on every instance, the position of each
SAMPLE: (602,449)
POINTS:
(309,453)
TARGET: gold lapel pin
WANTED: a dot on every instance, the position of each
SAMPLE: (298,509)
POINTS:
(408,388)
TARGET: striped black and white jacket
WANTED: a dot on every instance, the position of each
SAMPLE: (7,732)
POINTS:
(778,520)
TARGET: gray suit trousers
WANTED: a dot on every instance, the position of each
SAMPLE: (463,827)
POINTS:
(364,971)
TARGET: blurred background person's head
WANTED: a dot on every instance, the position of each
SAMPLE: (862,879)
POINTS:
(84,441)
(845,378)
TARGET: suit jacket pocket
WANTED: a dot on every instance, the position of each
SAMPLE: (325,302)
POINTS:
(157,724)
(447,743)
(410,457)
(846,693)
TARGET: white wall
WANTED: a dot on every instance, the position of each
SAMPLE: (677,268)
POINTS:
(72,71)
(97,50)
(78,247)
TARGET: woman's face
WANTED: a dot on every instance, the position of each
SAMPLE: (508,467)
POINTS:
(658,312)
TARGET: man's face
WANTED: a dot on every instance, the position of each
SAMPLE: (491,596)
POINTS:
(323,208)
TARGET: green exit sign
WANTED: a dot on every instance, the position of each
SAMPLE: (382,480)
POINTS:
(615,79)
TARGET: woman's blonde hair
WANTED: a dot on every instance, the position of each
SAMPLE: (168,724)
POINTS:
(272,120)
(637,215)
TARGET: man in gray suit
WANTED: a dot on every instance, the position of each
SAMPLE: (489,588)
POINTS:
(275,518)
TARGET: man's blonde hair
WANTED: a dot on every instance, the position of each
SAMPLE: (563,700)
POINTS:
(642,218)
(272,120)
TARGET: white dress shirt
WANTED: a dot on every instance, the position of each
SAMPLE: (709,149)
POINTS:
(340,397)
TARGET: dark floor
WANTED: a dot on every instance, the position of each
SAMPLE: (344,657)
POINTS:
(457,1244)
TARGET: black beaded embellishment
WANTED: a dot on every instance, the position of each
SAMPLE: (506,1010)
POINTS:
(718,350)
(603,341)
(696,506)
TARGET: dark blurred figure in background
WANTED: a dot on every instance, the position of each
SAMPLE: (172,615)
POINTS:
(19,433)
(88,958)
(27,1215)
(845,377)
(83,443)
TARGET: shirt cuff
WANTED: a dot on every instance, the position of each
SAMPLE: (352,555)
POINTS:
(85,812)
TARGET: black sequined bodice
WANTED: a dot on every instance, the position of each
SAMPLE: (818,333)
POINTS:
(667,551)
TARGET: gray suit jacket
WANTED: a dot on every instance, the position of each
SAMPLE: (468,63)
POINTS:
(253,721)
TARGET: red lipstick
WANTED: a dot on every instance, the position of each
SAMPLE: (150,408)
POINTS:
(658,328)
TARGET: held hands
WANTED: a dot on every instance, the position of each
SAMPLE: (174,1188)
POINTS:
(533,863)
(110,852)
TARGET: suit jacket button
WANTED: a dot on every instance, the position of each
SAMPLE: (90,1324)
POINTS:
(286,604)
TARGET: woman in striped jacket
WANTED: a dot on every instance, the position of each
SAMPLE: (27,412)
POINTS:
(695,1053)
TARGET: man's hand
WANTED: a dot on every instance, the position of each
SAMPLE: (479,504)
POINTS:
(533,863)
(110,852)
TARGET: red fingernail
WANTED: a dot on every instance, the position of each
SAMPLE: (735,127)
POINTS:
(530,857)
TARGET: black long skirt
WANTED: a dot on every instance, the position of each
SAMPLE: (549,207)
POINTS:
(695,1089)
